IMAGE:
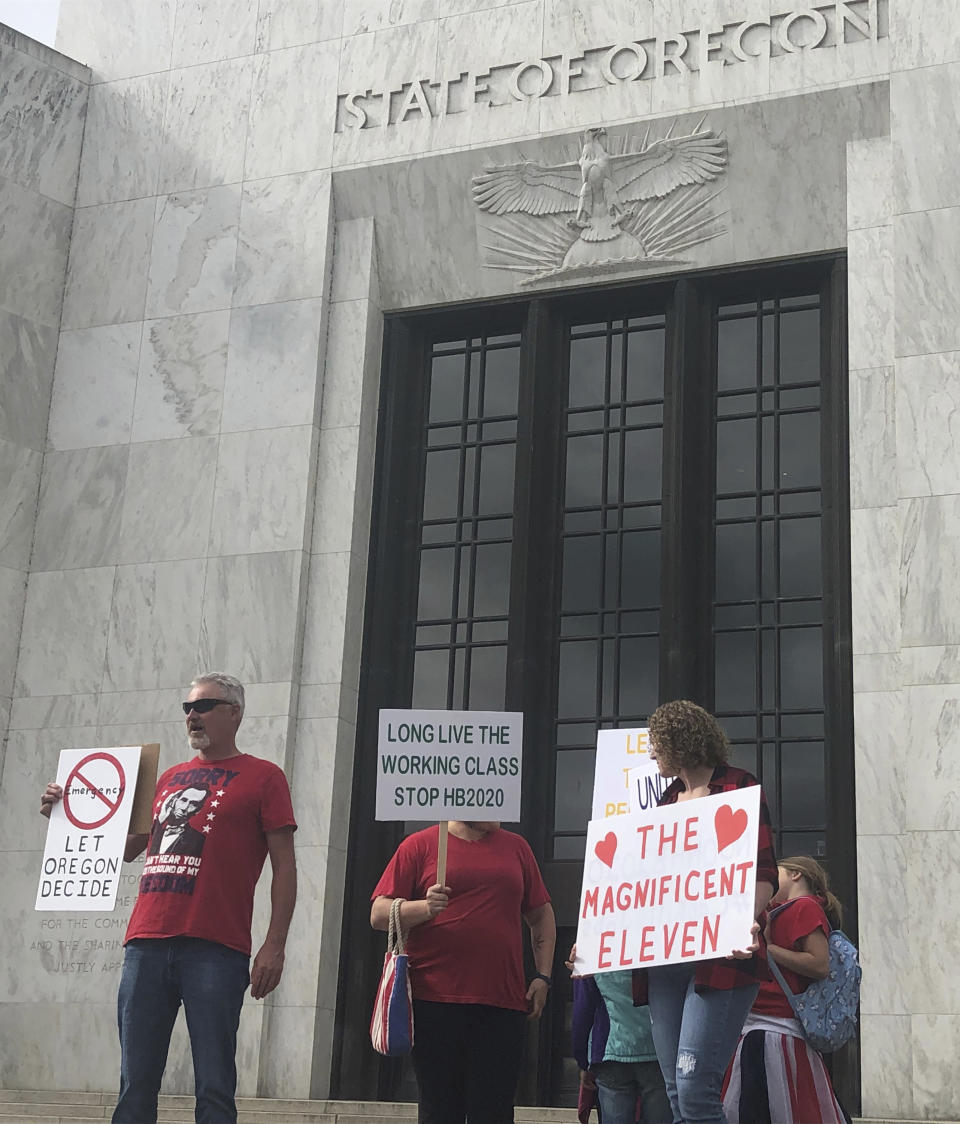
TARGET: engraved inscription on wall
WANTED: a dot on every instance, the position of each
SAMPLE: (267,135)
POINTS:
(841,25)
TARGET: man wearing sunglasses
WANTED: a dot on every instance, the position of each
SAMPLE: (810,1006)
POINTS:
(216,818)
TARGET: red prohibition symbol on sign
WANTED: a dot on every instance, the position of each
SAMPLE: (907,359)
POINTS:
(95,790)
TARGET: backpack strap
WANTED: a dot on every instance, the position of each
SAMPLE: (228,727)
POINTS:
(772,964)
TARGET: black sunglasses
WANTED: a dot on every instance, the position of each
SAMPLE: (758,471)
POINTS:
(204,706)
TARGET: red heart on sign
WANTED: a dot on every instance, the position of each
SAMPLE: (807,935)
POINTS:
(729,825)
(606,848)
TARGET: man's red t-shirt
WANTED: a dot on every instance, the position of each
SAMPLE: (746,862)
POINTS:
(207,848)
(472,952)
(786,929)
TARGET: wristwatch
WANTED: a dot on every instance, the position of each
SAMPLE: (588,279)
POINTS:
(546,979)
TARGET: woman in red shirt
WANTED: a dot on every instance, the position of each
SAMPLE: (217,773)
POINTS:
(775,1074)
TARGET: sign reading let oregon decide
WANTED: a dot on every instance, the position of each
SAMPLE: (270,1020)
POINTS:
(88,829)
(671,884)
(449,765)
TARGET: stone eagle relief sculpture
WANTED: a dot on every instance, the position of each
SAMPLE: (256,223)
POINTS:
(642,204)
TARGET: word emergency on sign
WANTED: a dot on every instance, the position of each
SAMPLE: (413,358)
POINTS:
(672,884)
(449,764)
(88,829)
(625,778)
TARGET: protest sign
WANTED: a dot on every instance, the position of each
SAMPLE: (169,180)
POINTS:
(88,829)
(625,778)
(671,884)
(449,764)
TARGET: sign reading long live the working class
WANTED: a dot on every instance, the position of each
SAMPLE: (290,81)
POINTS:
(449,764)
(88,828)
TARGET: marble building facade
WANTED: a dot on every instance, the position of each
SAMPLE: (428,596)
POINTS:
(206,206)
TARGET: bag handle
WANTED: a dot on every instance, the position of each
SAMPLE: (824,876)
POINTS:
(395,941)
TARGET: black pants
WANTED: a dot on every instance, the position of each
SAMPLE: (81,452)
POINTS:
(467,1059)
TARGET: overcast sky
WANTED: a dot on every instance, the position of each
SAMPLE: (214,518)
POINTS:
(36,18)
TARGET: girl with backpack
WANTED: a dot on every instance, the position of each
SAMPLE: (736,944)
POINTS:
(776,1075)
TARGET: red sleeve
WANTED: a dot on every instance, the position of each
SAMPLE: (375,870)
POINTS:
(803,917)
(276,808)
(534,891)
(402,876)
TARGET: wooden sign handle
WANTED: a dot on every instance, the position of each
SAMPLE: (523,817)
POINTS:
(442,854)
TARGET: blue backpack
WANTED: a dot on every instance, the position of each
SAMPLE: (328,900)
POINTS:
(827,1010)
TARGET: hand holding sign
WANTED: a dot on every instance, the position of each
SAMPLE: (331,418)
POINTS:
(673,884)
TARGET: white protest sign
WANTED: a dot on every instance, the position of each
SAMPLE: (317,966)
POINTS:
(88,829)
(672,884)
(449,765)
(625,778)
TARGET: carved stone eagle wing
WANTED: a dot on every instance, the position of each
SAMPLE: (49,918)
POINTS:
(668,164)
(534,189)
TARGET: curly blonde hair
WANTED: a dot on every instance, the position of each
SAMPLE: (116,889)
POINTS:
(685,736)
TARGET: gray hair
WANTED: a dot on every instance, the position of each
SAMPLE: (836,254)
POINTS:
(232,688)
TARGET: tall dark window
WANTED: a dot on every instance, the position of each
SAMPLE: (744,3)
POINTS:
(588,503)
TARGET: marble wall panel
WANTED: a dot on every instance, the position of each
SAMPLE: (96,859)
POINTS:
(41,125)
(363,16)
(355,263)
(47,712)
(251,607)
(27,354)
(928,424)
(13,585)
(930,570)
(109,257)
(873,432)
(323,644)
(927,288)
(272,377)
(936,1047)
(923,33)
(117,42)
(35,232)
(279,96)
(883,932)
(284,235)
(928,666)
(19,485)
(260,496)
(877,671)
(336,483)
(32,1033)
(290,23)
(351,374)
(319,700)
(870,297)
(875,535)
(205,128)
(123,139)
(154,707)
(210,30)
(315,769)
(569,24)
(886,1066)
(64,637)
(94,387)
(869,183)
(168,500)
(925,108)
(78,520)
(286,1072)
(154,629)
(182,368)
(933,731)
(194,252)
(882,771)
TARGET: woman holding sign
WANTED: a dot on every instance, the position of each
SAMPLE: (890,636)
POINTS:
(698,1008)
(470,999)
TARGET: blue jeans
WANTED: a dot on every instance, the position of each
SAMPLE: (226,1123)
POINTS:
(621,1084)
(695,1035)
(209,980)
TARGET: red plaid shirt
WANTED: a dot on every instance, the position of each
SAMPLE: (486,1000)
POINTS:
(721,973)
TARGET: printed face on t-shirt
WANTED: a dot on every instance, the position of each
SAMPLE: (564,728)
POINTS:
(186,804)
